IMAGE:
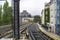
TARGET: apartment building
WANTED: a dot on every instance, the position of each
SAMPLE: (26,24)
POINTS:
(47,13)
(55,16)
(42,15)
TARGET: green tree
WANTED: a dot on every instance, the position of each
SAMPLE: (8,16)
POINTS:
(37,18)
(7,17)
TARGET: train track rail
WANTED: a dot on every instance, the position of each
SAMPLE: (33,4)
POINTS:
(39,36)
(8,31)
(34,34)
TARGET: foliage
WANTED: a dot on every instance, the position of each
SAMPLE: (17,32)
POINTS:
(6,14)
(0,12)
(37,18)
(47,15)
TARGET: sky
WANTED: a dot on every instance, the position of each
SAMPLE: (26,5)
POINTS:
(34,7)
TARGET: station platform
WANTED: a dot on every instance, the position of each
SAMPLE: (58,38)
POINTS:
(51,35)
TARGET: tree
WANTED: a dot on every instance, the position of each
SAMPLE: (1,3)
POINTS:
(37,18)
(7,16)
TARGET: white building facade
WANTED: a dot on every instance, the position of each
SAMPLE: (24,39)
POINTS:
(42,13)
(55,16)
(52,17)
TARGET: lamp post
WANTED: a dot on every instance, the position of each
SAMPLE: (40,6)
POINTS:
(16,20)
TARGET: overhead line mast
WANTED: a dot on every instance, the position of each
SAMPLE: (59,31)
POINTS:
(16,20)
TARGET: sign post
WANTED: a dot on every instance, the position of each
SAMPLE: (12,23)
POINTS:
(16,20)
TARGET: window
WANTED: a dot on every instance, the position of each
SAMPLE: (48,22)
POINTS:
(51,15)
(51,22)
(51,9)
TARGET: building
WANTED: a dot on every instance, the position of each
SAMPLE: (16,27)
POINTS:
(27,20)
(52,16)
(47,13)
(25,14)
(42,15)
(55,16)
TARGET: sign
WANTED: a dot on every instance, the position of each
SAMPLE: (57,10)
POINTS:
(16,20)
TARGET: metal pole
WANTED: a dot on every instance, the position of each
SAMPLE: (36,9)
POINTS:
(16,20)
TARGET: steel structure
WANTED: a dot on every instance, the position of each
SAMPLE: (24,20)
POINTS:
(16,19)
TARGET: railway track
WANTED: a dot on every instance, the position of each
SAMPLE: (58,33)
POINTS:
(7,32)
(23,35)
(36,35)
(39,36)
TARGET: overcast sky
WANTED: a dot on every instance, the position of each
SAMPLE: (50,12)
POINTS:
(32,6)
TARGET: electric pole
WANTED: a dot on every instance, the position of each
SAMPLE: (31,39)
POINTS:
(16,20)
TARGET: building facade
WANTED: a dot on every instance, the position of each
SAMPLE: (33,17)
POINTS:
(25,14)
(47,13)
(55,16)
(42,15)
